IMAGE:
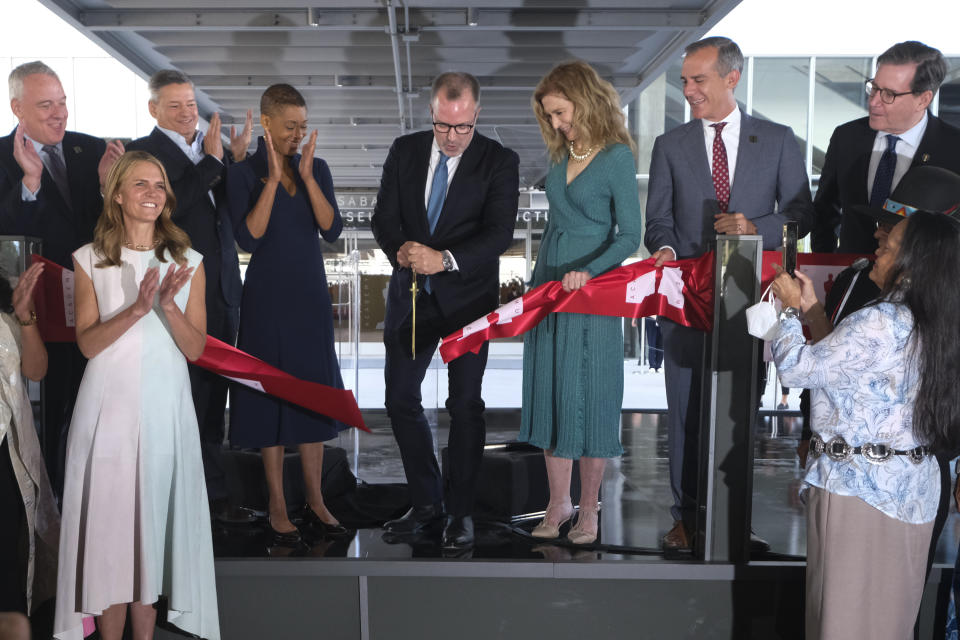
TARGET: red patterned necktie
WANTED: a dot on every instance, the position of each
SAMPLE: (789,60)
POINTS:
(721,173)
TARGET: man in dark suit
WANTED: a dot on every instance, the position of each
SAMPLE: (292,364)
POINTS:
(867,157)
(196,167)
(444,214)
(723,172)
(50,184)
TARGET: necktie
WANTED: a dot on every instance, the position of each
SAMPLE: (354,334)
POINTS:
(58,171)
(883,181)
(438,191)
(721,172)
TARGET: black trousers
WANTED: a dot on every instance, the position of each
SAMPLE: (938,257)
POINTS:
(210,395)
(403,375)
(13,543)
(60,386)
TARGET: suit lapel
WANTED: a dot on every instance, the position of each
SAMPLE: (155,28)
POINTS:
(925,150)
(418,175)
(747,158)
(695,152)
(74,156)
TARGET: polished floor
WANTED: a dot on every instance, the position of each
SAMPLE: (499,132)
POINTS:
(635,501)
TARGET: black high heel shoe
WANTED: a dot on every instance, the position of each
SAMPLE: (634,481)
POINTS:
(282,539)
(319,528)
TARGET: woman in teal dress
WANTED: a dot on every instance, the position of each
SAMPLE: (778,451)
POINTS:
(573,363)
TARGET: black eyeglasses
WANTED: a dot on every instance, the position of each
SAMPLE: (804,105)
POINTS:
(887,96)
(443,127)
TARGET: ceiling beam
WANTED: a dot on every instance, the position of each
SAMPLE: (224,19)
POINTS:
(376,20)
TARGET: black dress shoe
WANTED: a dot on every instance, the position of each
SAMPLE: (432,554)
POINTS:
(317,528)
(416,519)
(458,532)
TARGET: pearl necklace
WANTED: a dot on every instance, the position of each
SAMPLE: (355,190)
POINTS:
(578,157)
(141,247)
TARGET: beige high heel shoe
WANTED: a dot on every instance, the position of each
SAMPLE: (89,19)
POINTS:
(579,535)
(550,531)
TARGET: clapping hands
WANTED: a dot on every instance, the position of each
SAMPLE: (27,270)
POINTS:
(150,286)
(23,305)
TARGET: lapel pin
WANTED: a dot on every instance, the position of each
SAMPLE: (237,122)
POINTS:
(77,149)
(752,138)
(925,158)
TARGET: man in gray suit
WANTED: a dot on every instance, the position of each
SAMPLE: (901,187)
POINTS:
(723,172)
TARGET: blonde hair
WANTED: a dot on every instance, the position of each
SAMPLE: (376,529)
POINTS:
(596,112)
(109,236)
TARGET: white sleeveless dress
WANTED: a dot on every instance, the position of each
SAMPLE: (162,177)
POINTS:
(135,522)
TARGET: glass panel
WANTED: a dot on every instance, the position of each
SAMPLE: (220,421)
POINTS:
(950,94)
(781,92)
(838,97)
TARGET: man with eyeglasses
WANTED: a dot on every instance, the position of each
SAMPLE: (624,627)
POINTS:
(445,213)
(867,157)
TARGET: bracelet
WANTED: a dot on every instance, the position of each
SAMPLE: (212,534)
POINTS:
(32,321)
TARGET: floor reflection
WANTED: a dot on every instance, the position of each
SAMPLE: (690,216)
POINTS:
(635,513)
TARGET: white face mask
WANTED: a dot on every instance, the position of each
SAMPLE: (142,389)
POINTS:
(762,321)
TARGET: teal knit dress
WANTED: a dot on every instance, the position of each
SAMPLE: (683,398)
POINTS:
(573,363)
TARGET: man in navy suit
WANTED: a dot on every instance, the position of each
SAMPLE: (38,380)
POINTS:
(196,167)
(50,185)
(445,213)
(722,172)
(867,157)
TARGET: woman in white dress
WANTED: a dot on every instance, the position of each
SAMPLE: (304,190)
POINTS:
(135,522)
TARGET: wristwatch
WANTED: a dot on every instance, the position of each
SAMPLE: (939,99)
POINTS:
(789,312)
(447,261)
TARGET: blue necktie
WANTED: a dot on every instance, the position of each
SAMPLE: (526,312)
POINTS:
(438,191)
(883,181)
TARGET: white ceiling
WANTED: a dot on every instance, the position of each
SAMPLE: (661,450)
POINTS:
(365,67)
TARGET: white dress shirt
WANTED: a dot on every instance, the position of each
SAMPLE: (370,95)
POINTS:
(906,148)
(731,140)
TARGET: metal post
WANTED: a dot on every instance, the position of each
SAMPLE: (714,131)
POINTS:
(730,402)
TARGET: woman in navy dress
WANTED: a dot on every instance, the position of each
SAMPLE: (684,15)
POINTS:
(278,204)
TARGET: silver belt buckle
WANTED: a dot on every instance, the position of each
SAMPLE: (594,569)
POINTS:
(816,446)
(876,452)
(917,455)
(838,450)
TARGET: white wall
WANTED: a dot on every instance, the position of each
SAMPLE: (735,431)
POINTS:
(104,98)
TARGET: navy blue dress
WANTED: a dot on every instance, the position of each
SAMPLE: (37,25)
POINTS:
(286,318)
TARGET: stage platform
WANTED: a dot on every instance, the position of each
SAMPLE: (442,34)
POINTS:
(510,586)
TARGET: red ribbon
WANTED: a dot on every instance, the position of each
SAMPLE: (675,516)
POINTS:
(681,291)
(241,367)
(55,312)
(633,291)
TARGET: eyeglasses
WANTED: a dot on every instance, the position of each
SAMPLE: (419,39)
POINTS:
(443,127)
(887,96)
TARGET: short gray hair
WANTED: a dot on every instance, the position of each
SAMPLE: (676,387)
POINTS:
(165,77)
(18,75)
(729,56)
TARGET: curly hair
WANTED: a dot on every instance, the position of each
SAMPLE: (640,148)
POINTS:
(109,235)
(596,114)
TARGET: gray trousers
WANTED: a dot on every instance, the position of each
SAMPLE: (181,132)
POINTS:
(865,570)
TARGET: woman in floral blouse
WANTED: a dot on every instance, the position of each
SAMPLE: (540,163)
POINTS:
(883,401)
